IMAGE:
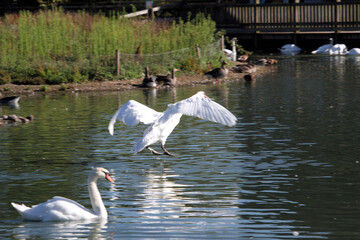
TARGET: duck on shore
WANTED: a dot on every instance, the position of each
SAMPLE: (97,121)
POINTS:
(243,57)
(244,68)
(167,80)
(218,72)
(266,61)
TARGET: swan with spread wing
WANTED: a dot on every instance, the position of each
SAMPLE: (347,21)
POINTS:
(163,123)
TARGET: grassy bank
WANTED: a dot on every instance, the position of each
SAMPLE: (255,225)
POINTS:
(53,47)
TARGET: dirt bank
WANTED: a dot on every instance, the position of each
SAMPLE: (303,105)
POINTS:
(11,89)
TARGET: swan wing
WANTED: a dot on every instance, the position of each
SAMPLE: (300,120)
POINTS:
(201,106)
(324,49)
(354,51)
(132,113)
(338,49)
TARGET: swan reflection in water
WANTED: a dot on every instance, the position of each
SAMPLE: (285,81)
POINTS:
(164,198)
(87,229)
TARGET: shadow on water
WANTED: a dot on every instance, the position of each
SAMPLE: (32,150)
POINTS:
(288,169)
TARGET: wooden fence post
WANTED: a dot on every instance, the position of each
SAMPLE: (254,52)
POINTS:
(198,51)
(151,13)
(117,55)
(222,44)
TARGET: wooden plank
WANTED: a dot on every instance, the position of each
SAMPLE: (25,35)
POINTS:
(142,12)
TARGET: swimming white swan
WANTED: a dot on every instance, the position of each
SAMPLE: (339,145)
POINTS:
(331,49)
(354,51)
(324,49)
(163,123)
(63,209)
(290,49)
(338,49)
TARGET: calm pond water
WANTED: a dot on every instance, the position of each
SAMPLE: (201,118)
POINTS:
(288,169)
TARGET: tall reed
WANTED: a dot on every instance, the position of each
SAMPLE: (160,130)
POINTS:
(54,46)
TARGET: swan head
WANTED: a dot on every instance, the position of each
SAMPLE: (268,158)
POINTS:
(331,40)
(99,172)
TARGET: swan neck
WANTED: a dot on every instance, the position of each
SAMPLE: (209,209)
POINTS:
(95,197)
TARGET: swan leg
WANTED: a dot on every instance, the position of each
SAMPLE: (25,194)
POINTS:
(153,151)
(166,152)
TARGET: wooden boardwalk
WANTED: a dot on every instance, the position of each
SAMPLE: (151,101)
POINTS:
(309,23)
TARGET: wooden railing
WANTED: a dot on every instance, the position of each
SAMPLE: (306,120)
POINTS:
(283,17)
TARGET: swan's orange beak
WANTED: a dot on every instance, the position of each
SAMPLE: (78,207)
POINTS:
(107,176)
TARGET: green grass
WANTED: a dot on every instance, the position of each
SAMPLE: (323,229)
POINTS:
(54,47)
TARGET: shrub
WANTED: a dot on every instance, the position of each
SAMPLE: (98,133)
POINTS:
(61,47)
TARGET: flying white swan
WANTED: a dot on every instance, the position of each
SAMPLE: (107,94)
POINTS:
(163,123)
(63,209)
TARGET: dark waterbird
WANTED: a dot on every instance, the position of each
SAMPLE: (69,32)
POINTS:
(9,100)
(218,72)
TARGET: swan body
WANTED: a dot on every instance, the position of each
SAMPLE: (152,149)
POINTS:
(163,123)
(331,49)
(228,54)
(290,49)
(64,209)
(354,51)
(338,49)
(324,49)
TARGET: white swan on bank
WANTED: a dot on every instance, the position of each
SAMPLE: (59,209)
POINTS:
(228,54)
(354,51)
(63,209)
(163,123)
(290,49)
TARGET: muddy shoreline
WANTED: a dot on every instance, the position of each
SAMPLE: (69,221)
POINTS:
(184,80)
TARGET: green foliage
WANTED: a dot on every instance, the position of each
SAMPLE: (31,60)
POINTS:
(44,88)
(63,87)
(5,77)
(55,47)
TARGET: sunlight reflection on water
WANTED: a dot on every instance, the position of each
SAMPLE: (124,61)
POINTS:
(280,173)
